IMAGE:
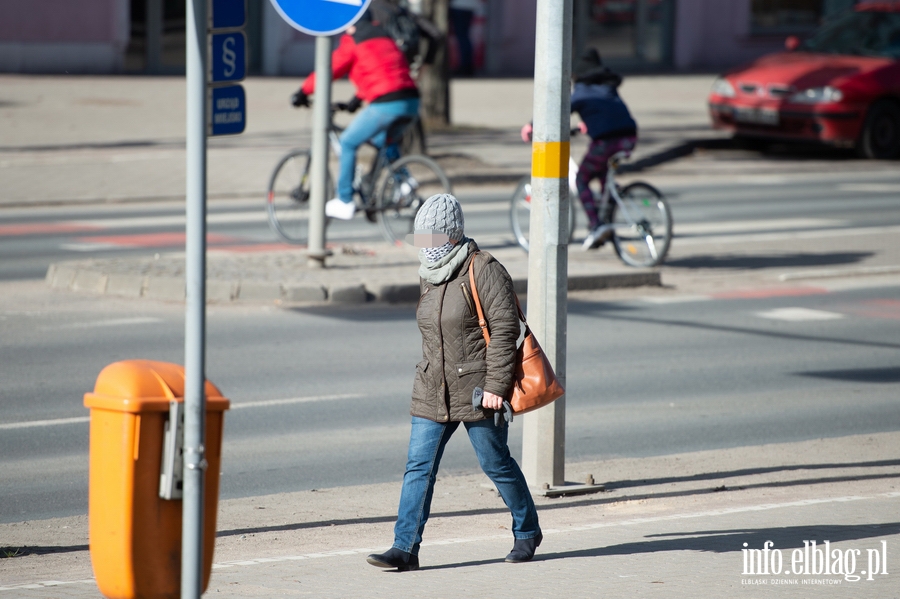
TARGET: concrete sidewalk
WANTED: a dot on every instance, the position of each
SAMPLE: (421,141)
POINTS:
(355,274)
(668,526)
(101,139)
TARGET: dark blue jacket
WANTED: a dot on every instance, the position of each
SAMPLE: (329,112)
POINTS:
(603,111)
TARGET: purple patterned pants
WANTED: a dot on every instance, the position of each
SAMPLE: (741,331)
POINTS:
(594,165)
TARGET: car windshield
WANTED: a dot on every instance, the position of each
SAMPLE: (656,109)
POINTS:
(865,33)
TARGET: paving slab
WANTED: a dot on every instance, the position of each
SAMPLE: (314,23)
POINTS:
(355,274)
(666,526)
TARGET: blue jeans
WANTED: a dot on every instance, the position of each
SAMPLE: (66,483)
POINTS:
(371,124)
(427,440)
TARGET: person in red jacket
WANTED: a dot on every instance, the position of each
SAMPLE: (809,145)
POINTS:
(378,69)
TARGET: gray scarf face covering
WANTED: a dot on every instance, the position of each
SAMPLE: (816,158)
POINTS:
(441,271)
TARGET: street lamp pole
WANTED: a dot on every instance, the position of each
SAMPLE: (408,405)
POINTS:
(544,431)
(195,304)
(319,160)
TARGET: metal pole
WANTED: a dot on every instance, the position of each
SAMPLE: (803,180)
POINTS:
(195,305)
(544,431)
(319,168)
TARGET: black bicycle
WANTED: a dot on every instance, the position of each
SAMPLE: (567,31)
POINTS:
(389,193)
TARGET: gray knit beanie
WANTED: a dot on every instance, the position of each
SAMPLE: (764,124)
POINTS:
(441,213)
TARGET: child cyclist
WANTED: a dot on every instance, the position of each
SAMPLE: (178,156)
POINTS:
(612,129)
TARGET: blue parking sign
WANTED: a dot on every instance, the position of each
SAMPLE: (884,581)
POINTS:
(321,17)
(229,56)
(228,14)
(228,114)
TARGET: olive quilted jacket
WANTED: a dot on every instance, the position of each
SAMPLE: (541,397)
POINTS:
(454,358)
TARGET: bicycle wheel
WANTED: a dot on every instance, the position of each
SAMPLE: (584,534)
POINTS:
(520,213)
(287,202)
(642,225)
(407,183)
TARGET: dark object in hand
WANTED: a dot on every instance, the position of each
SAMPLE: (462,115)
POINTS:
(351,106)
(299,99)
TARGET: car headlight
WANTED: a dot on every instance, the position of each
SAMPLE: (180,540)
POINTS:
(818,95)
(722,87)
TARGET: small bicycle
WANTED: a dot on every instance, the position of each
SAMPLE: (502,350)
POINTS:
(639,216)
(389,193)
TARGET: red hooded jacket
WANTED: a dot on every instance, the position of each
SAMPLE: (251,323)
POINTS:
(376,67)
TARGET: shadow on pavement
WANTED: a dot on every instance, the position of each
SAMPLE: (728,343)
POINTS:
(857,375)
(724,541)
(760,262)
(607,498)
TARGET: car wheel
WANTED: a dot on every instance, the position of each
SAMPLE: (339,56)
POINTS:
(880,138)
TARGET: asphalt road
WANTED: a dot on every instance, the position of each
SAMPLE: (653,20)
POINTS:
(321,394)
(645,377)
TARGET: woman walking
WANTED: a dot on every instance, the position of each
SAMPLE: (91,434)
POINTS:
(460,380)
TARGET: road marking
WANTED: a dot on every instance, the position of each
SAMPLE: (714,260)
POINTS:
(46,584)
(174,220)
(294,400)
(149,240)
(37,423)
(113,322)
(45,228)
(799,314)
(87,247)
(234,406)
(767,292)
(678,299)
(786,235)
(735,226)
(840,272)
(871,187)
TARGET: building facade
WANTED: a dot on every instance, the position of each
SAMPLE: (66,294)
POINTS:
(147,36)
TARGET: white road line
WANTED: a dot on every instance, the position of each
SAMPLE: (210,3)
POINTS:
(35,423)
(234,406)
(736,226)
(148,222)
(677,299)
(785,236)
(88,247)
(871,187)
(114,322)
(46,584)
(799,314)
(294,400)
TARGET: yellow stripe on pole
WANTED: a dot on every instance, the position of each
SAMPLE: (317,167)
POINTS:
(550,159)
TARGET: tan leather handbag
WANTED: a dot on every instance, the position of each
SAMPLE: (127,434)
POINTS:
(535,384)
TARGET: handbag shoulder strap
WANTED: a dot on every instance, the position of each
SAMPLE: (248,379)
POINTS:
(481,320)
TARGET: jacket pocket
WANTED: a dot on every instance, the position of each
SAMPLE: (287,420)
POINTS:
(420,385)
(470,375)
(468,297)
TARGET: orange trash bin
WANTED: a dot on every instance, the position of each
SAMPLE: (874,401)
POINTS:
(135,535)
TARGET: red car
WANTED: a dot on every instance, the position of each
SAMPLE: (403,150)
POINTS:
(840,87)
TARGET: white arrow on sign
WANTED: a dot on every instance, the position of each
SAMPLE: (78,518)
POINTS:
(350,2)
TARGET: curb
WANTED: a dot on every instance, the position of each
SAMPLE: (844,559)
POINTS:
(80,277)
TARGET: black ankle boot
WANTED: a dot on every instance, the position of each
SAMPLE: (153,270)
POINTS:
(523,549)
(394,558)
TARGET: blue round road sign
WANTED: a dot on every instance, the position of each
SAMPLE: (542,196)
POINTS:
(321,17)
